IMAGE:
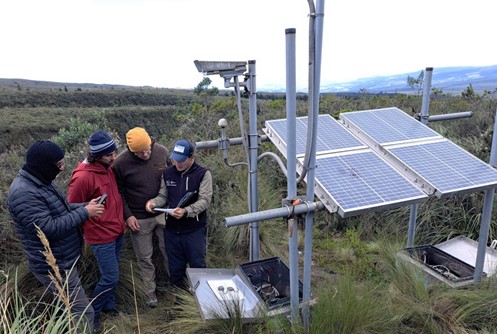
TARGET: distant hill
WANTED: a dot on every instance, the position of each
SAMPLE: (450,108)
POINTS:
(51,85)
(447,79)
(452,80)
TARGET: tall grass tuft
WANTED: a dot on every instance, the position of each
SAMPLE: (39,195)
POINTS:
(417,304)
(351,307)
(62,287)
(19,315)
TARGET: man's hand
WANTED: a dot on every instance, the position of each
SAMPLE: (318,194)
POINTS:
(132,223)
(94,210)
(178,213)
(149,207)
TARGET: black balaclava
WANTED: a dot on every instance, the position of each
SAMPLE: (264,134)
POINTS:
(41,160)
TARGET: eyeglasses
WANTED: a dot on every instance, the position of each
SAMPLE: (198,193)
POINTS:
(144,152)
(60,164)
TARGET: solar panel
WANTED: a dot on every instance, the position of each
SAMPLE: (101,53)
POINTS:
(332,136)
(383,158)
(447,167)
(386,126)
(440,166)
(353,183)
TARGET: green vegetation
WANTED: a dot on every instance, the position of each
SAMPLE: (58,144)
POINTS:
(357,281)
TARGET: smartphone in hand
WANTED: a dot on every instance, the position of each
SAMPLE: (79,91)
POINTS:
(102,199)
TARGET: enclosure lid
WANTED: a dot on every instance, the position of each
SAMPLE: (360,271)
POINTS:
(465,249)
(219,292)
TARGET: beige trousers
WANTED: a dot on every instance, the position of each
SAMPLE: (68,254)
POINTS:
(143,246)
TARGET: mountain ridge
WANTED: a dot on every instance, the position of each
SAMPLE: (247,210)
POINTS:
(452,80)
(446,79)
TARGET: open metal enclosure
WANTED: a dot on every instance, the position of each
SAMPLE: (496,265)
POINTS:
(221,292)
(252,290)
(451,262)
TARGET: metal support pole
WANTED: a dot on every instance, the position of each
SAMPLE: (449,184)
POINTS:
(412,225)
(253,152)
(487,213)
(445,117)
(425,105)
(291,114)
(484,228)
(309,218)
(284,212)
(215,143)
(493,149)
(424,117)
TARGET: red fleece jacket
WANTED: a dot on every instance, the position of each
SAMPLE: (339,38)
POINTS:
(90,181)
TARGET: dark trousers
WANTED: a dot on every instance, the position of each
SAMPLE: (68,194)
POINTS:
(184,249)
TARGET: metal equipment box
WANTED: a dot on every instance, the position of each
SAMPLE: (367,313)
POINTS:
(221,293)
(466,249)
(438,265)
(270,279)
(451,262)
(252,290)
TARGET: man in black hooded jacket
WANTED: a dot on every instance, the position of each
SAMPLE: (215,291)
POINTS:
(37,204)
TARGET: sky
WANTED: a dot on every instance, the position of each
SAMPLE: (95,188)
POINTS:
(155,42)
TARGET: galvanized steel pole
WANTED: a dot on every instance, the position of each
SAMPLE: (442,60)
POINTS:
(253,150)
(317,38)
(291,114)
(284,212)
(486,213)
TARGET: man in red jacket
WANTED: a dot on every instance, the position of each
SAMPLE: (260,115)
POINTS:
(105,234)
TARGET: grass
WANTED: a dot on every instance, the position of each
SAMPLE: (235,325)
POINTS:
(357,281)
(21,315)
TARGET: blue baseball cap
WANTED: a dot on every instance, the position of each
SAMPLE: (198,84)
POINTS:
(182,150)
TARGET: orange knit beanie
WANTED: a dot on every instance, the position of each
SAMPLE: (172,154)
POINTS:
(138,140)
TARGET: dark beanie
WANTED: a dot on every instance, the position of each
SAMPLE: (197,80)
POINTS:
(41,160)
(101,144)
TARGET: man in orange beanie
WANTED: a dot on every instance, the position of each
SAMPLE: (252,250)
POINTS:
(138,173)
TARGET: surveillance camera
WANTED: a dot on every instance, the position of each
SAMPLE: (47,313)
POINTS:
(222,123)
(223,68)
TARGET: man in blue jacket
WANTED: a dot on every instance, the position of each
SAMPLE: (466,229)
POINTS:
(37,204)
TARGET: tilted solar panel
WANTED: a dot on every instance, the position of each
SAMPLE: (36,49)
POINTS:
(447,167)
(358,182)
(331,135)
(383,158)
(421,152)
(386,126)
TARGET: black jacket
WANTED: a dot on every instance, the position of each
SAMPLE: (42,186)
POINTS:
(31,202)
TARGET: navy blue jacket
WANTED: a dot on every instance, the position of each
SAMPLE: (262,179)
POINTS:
(178,184)
(31,202)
